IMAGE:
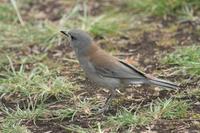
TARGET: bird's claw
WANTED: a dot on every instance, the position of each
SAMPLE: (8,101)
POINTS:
(103,110)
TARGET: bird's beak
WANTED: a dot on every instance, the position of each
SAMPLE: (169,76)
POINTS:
(65,33)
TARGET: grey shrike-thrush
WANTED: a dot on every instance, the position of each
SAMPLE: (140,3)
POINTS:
(106,70)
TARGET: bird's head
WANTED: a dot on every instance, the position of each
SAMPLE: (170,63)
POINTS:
(79,40)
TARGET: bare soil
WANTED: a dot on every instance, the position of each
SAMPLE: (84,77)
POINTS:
(144,52)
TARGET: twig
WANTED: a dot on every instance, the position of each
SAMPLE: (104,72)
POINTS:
(123,54)
(70,60)
(17,11)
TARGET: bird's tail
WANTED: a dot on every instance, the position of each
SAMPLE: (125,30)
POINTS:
(163,83)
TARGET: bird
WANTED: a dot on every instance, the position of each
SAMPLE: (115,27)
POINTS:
(105,70)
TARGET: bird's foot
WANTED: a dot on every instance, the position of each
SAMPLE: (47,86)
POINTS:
(103,110)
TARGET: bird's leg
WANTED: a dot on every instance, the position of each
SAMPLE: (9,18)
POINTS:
(108,101)
(110,97)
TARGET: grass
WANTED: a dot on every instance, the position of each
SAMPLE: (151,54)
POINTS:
(19,36)
(40,81)
(77,129)
(195,92)
(160,109)
(32,90)
(161,7)
(108,23)
(185,60)
(43,34)
(15,118)
(64,113)
(7,13)
(165,109)
(126,118)
(168,109)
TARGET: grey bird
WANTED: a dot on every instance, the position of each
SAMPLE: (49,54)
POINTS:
(106,70)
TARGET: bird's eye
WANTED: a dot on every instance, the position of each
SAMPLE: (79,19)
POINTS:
(73,38)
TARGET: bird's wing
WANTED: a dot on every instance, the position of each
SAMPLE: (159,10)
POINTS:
(122,70)
(106,65)
(109,66)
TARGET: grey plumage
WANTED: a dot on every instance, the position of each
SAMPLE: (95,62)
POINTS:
(106,70)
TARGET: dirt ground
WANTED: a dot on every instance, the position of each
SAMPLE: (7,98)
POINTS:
(143,50)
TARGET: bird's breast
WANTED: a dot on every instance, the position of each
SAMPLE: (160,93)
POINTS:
(92,74)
